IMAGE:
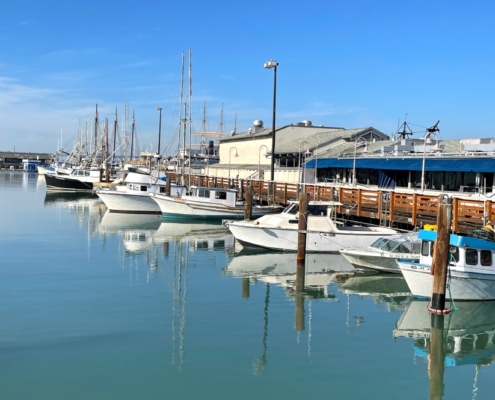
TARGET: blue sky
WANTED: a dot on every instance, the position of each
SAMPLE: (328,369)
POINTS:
(350,64)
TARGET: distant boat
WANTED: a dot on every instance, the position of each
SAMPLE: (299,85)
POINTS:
(80,180)
(45,169)
(207,203)
(471,274)
(324,234)
(382,254)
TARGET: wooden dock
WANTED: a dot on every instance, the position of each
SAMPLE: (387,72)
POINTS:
(387,207)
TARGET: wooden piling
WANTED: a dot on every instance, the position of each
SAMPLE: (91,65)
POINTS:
(436,357)
(248,210)
(168,185)
(302,227)
(440,259)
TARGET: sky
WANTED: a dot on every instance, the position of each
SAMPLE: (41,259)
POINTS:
(350,64)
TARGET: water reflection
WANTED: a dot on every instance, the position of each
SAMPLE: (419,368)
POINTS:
(16,179)
(280,269)
(388,290)
(464,337)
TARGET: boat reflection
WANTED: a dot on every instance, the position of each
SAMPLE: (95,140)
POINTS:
(69,199)
(137,230)
(280,269)
(389,290)
(463,337)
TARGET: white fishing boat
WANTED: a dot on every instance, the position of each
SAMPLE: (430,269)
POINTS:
(382,254)
(324,233)
(207,203)
(134,196)
(471,272)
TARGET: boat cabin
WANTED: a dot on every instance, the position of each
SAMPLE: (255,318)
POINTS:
(475,254)
(315,208)
(80,173)
(226,197)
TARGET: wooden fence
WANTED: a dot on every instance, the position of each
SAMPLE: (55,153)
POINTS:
(388,207)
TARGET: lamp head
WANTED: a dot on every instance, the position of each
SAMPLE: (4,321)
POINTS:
(158,109)
(271,64)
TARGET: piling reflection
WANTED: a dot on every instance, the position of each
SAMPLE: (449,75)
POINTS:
(260,363)
(464,337)
(281,269)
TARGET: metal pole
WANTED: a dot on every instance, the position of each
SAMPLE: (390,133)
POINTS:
(159,129)
(272,169)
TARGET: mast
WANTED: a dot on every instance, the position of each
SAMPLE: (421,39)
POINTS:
(132,135)
(203,130)
(96,134)
(180,110)
(190,113)
(114,135)
(221,120)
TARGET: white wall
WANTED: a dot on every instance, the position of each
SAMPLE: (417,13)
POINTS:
(248,152)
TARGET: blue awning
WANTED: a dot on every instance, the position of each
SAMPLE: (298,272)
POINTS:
(469,164)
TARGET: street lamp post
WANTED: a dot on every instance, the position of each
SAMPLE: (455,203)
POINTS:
(259,158)
(362,140)
(273,64)
(299,166)
(230,154)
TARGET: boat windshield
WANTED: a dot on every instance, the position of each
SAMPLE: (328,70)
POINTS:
(391,246)
(317,209)
(292,209)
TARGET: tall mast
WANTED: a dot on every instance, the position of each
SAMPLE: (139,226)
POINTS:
(114,135)
(132,135)
(203,129)
(190,113)
(181,122)
(96,133)
(221,119)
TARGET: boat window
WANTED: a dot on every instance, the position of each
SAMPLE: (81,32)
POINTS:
(144,188)
(317,209)
(389,245)
(378,243)
(471,257)
(294,210)
(425,248)
(221,195)
(162,189)
(486,258)
(401,249)
(86,173)
(286,209)
(454,254)
(204,193)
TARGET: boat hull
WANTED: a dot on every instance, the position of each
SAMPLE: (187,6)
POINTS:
(463,285)
(281,239)
(63,183)
(178,208)
(128,202)
(374,261)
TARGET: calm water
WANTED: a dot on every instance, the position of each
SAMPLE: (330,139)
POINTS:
(109,306)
